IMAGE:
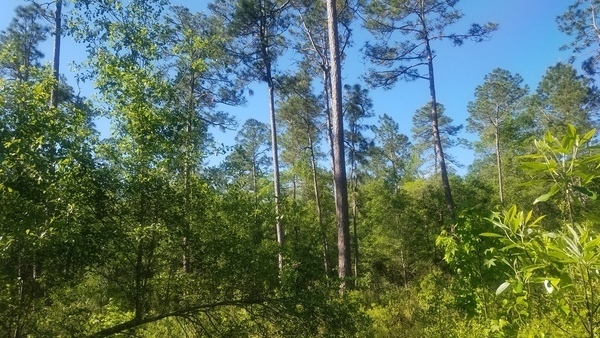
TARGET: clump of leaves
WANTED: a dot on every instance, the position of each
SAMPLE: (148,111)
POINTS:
(556,269)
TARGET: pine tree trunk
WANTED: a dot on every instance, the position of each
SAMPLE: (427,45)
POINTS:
(436,136)
(276,184)
(324,242)
(268,78)
(340,180)
(355,227)
(327,93)
(187,168)
(56,61)
(499,167)
(354,189)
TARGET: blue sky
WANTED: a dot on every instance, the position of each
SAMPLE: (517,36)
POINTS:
(527,43)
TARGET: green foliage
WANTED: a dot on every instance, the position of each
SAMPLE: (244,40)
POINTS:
(19,44)
(563,97)
(568,167)
(424,147)
(560,264)
(471,257)
(580,22)
(391,156)
(396,60)
(498,102)
(132,235)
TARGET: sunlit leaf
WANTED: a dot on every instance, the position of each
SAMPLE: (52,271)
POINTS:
(533,165)
(518,287)
(555,188)
(502,287)
(490,234)
(588,136)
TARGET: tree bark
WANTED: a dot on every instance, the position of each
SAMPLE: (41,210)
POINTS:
(322,228)
(499,167)
(340,180)
(354,226)
(436,136)
(354,191)
(187,168)
(266,58)
(276,184)
(326,72)
(184,312)
(56,60)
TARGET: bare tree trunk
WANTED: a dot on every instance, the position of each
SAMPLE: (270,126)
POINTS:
(294,187)
(354,189)
(186,185)
(187,173)
(276,184)
(326,72)
(340,180)
(436,137)
(266,58)
(499,167)
(56,61)
(327,93)
(254,185)
(354,226)
(322,228)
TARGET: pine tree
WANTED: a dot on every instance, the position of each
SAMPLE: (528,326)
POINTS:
(497,102)
(427,21)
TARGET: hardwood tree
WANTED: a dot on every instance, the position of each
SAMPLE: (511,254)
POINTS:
(201,85)
(49,191)
(143,271)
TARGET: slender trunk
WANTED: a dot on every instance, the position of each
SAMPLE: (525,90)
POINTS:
(436,165)
(267,60)
(325,244)
(187,167)
(394,175)
(327,94)
(254,186)
(404,268)
(499,166)
(139,293)
(340,180)
(354,226)
(329,126)
(294,187)
(56,61)
(276,184)
(21,293)
(52,151)
(354,187)
(436,137)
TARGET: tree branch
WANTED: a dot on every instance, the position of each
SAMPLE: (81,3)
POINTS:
(136,322)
